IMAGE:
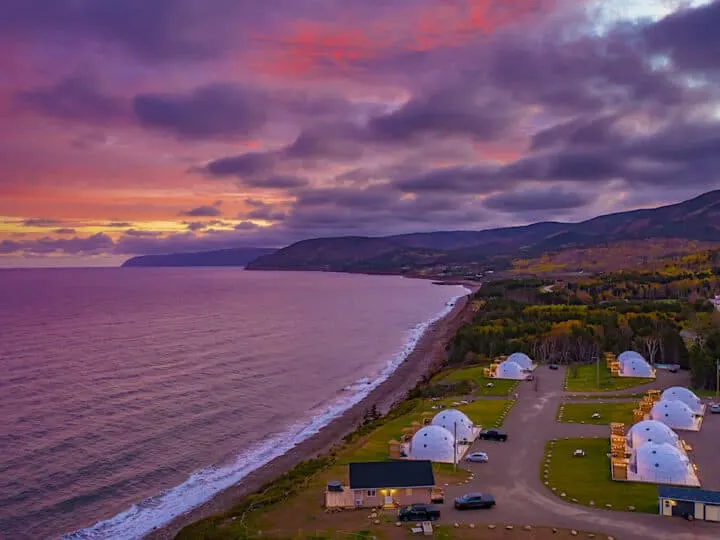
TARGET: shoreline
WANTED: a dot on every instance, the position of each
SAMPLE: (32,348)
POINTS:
(428,354)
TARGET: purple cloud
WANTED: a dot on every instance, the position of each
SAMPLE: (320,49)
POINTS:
(42,222)
(74,98)
(202,211)
(689,36)
(97,243)
(530,200)
(219,110)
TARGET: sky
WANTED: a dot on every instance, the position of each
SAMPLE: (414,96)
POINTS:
(141,127)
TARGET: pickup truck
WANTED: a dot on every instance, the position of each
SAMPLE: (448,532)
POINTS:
(419,512)
(492,435)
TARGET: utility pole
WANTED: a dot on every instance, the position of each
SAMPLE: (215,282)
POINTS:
(597,370)
(455,446)
(717,377)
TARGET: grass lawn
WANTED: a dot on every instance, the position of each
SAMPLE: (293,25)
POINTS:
(584,380)
(705,393)
(609,412)
(500,387)
(595,397)
(484,412)
(588,478)
(301,508)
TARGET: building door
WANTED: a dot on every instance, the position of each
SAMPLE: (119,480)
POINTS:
(388,500)
(712,512)
(684,508)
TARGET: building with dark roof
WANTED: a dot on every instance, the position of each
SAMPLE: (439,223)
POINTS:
(688,502)
(384,483)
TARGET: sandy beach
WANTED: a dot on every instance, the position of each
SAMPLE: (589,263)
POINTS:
(427,355)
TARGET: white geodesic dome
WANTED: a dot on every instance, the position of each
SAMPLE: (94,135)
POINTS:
(627,355)
(685,395)
(510,370)
(434,443)
(452,420)
(521,359)
(673,413)
(636,367)
(651,431)
(662,463)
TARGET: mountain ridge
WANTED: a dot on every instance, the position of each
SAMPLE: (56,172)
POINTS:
(694,219)
(218,257)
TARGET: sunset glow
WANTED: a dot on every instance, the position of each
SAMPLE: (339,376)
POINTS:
(226,124)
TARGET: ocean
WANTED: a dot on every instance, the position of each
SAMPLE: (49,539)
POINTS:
(131,395)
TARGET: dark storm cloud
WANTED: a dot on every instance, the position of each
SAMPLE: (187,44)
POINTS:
(585,130)
(74,246)
(530,200)
(200,225)
(64,230)
(277,182)
(450,112)
(74,98)
(153,30)
(196,225)
(218,110)
(246,226)
(369,210)
(266,214)
(228,110)
(42,222)
(586,75)
(202,211)
(250,164)
(142,234)
(690,37)
(471,179)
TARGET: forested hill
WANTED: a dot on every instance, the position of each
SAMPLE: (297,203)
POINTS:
(695,219)
(221,257)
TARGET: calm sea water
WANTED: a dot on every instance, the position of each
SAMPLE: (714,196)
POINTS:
(128,396)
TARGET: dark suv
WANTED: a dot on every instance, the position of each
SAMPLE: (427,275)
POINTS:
(474,500)
(492,435)
(419,512)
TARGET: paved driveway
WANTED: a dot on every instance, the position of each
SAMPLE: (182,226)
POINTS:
(513,477)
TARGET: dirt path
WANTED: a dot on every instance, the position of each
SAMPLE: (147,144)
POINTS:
(513,476)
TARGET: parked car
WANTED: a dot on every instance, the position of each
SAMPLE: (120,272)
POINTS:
(715,408)
(554,366)
(579,453)
(529,377)
(492,435)
(478,457)
(419,512)
(474,500)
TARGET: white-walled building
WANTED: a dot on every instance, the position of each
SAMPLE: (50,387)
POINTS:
(434,443)
(510,370)
(663,464)
(457,423)
(636,367)
(521,359)
(651,431)
(685,395)
(627,355)
(675,414)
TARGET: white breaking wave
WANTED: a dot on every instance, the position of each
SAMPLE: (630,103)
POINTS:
(142,518)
